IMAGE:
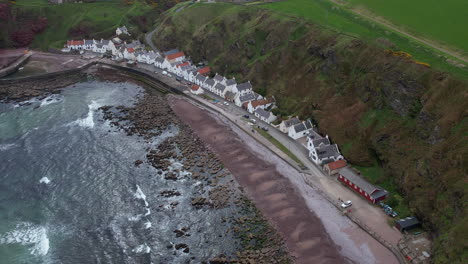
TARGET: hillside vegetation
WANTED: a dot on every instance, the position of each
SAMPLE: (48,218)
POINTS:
(403,124)
(73,20)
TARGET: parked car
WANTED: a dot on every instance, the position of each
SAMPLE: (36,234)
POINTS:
(225,103)
(164,72)
(265,128)
(246,116)
(178,79)
(253,121)
(346,204)
(169,75)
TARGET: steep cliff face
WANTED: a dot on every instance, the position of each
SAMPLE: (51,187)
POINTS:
(402,120)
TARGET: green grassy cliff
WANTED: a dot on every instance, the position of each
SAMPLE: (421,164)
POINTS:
(404,125)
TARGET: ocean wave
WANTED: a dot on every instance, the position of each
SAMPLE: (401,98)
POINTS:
(140,195)
(142,249)
(4,147)
(28,234)
(88,121)
(55,98)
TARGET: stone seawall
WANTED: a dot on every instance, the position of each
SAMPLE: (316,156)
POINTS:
(15,65)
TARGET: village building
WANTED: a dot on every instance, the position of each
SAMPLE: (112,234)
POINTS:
(219,89)
(177,57)
(186,71)
(178,68)
(240,99)
(286,124)
(321,151)
(230,84)
(75,44)
(204,71)
(99,48)
(333,168)
(265,116)
(170,52)
(251,106)
(129,54)
(351,179)
(229,96)
(208,84)
(89,44)
(219,79)
(200,80)
(300,130)
(242,88)
(122,30)
(158,62)
(196,89)
(407,223)
(148,57)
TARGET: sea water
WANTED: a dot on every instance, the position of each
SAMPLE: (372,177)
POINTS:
(70,192)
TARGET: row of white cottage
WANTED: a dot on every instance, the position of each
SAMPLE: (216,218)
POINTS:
(320,149)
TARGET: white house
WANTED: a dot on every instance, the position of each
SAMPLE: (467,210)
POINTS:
(200,80)
(195,89)
(208,84)
(284,126)
(122,30)
(99,48)
(230,84)
(186,71)
(107,44)
(129,54)
(240,99)
(146,57)
(265,116)
(251,106)
(89,44)
(320,150)
(219,89)
(300,130)
(75,44)
(242,88)
(192,75)
(219,79)
(179,70)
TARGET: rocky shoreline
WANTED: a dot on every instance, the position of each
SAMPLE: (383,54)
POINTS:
(152,115)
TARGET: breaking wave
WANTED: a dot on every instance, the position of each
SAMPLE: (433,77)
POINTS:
(28,234)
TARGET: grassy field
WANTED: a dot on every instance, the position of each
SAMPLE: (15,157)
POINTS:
(336,18)
(443,21)
(101,17)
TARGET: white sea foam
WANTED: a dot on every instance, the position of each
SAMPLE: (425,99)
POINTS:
(148,224)
(88,121)
(51,100)
(4,147)
(142,249)
(28,234)
(135,218)
(44,180)
(140,195)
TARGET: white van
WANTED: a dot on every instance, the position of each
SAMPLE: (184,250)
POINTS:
(164,72)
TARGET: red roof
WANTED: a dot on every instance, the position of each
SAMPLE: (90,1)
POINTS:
(195,87)
(183,64)
(336,164)
(204,71)
(175,55)
(257,103)
(75,42)
(131,50)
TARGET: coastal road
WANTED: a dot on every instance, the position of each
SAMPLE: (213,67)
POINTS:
(370,215)
(149,39)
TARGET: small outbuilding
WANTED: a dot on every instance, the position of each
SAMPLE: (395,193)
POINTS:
(333,167)
(407,223)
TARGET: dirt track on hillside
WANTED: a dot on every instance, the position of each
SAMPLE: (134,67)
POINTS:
(272,193)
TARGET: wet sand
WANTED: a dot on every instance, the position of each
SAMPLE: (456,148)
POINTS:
(304,233)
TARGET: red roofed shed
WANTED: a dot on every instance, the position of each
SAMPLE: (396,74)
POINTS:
(175,55)
(333,167)
(183,64)
(204,71)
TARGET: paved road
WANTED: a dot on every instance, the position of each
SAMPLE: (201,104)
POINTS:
(149,39)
